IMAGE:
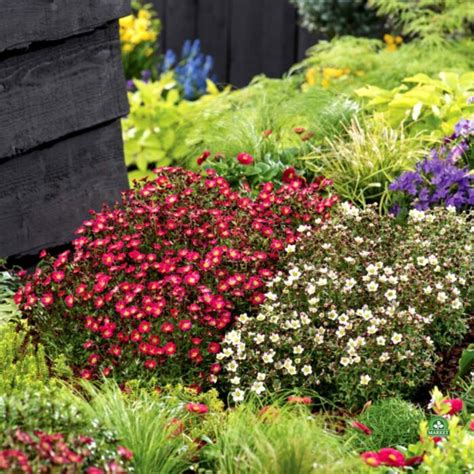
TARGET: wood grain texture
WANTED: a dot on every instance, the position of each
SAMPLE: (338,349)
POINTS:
(23,22)
(278,37)
(57,88)
(180,23)
(213,30)
(46,193)
(246,45)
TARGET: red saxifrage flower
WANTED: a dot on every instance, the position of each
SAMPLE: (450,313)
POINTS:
(151,286)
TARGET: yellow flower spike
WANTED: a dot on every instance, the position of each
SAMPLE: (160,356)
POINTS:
(325,83)
(398,40)
(389,39)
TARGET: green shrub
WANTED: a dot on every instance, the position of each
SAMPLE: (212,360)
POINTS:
(363,162)
(423,104)
(432,20)
(371,63)
(393,422)
(363,309)
(23,365)
(289,441)
(338,17)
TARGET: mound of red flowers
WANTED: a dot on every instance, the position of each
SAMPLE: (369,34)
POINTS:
(152,285)
(41,452)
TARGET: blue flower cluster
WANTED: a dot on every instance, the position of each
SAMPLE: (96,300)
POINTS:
(191,69)
(443,178)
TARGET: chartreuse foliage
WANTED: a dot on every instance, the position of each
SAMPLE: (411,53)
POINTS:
(23,365)
(424,104)
(371,62)
(158,123)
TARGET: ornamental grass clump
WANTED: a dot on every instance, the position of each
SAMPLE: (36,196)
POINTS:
(361,311)
(151,287)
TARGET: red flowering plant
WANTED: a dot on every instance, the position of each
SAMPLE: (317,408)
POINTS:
(151,286)
(249,173)
(39,452)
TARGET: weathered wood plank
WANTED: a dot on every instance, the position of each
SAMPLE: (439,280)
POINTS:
(278,37)
(181,23)
(305,40)
(23,22)
(213,31)
(60,87)
(160,8)
(246,40)
(46,193)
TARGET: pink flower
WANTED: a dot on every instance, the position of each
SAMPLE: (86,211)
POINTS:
(391,457)
(203,157)
(371,458)
(245,159)
(456,405)
(289,175)
(57,276)
(124,453)
(150,364)
(185,325)
(361,427)
(471,425)
(47,299)
(198,408)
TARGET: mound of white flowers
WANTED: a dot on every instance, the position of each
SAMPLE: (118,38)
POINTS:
(363,310)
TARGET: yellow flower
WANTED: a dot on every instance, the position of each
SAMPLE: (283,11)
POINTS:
(391,47)
(389,39)
(127,21)
(311,76)
(325,83)
(398,40)
(144,15)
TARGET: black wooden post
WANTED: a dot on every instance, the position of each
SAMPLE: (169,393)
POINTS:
(62,92)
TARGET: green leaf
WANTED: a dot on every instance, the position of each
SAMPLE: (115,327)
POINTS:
(466,363)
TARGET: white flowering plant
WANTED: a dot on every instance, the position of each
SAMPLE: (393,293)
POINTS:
(364,310)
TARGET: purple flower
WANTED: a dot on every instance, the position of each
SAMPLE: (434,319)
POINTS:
(442,178)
